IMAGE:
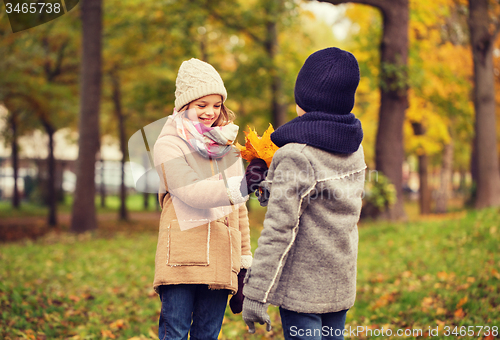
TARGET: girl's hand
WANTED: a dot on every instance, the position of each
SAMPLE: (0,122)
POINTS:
(236,302)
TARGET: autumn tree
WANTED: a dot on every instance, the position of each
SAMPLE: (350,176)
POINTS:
(38,82)
(262,22)
(440,107)
(484,25)
(389,152)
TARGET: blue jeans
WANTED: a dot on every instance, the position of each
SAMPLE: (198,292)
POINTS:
(305,326)
(191,308)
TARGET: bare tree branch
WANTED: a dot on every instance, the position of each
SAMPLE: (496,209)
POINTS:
(226,20)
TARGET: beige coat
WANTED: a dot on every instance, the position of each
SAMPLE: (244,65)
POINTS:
(203,237)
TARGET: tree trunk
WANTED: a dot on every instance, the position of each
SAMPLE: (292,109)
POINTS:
(423,165)
(443,193)
(271,46)
(84,212)
(117,100)
(15,159)
(51,183)
(389,152)
(482,42)
(51,173)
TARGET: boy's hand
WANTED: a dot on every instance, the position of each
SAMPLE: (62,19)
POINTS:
(255,311)
(255,173)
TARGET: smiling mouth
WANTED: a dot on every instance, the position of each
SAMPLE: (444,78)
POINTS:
(206,119)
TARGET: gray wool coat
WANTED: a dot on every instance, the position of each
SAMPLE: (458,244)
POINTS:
(307,251)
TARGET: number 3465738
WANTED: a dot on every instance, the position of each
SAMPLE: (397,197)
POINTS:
(33,8)
(471,331)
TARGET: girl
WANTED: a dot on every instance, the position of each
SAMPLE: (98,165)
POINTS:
(204,237)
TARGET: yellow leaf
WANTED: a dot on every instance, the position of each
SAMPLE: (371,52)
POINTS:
(441,311)
(442,276)
(427,301)
(258,147)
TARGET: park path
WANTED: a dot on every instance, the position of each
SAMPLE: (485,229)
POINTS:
(65,218)
(20,227)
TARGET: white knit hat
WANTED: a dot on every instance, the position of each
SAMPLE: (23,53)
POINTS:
(197,79)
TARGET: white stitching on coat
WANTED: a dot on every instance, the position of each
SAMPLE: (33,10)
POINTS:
(294,234)
(342,176)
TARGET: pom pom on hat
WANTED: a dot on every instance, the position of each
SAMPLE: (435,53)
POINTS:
(197,79)
(327,82)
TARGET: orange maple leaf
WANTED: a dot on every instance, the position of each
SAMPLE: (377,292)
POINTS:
(258,147)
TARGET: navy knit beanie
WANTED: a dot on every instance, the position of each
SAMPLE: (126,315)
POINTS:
(327,82)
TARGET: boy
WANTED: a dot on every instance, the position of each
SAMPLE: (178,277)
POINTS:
(305,262)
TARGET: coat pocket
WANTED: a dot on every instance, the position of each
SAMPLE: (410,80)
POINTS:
(188,247)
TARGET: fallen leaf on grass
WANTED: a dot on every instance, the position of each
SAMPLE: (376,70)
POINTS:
(459,313)
(471,279)
(107,334)
(118,324)
(427,301)
(441,311)
(442,276)
(74,298)
(384,300)
(462,302)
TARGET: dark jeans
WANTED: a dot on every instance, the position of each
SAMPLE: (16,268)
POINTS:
(305,326)
(193,309)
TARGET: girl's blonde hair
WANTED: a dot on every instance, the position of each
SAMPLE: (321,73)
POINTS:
(226,115)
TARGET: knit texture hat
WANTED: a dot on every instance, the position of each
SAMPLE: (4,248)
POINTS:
(327,82)
(197,79)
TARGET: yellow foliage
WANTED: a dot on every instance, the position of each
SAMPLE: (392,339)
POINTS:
(258,147)
(436,127)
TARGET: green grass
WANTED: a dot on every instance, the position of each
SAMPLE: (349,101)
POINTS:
(415,275)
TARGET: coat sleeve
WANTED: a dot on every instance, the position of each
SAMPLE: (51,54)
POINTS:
(182,181)
(246,251)
(292,178)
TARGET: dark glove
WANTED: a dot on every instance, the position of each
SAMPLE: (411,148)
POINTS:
(255,311)
(236,302)
(256,172)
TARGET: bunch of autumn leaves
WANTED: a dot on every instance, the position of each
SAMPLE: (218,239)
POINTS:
(258,147)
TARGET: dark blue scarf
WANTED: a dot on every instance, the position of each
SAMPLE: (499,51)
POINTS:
(330,132)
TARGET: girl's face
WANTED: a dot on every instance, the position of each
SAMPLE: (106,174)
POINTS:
(205,109)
